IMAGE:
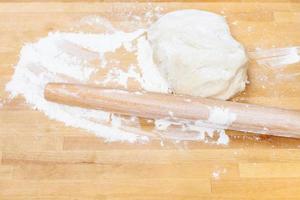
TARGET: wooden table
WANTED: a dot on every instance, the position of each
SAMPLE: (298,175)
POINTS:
(43,159)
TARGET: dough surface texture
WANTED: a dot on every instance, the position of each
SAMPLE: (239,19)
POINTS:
(197,55)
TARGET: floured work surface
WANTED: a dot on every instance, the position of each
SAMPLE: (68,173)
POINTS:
(46,156)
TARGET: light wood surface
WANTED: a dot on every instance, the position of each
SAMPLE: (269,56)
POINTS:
(43,159)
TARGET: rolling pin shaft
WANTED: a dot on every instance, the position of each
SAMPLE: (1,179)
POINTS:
(243,117)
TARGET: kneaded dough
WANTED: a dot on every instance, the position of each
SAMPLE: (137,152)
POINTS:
(197,55)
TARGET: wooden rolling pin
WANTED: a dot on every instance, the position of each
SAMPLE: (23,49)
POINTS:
(242,117)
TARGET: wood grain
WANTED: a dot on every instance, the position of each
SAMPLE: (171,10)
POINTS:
(43,159)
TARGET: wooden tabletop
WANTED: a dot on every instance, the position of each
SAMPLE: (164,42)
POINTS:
(43,159)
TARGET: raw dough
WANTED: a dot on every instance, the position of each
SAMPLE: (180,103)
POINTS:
(197,55)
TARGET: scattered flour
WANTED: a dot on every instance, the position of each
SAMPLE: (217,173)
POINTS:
(94,21)
(221,116)
(197,130)
(163,124)
(70,57)
(276,57)
(218,173)
(44,61)
(120,77)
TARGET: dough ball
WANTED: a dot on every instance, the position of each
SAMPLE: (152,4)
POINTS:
(197,55)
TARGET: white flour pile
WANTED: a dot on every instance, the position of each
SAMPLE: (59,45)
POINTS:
(93,58)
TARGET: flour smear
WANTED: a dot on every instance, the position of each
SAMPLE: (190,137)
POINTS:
(94,58)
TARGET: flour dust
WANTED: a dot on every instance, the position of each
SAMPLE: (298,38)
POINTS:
(110,58)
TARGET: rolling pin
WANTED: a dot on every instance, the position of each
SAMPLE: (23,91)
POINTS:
(244,117)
